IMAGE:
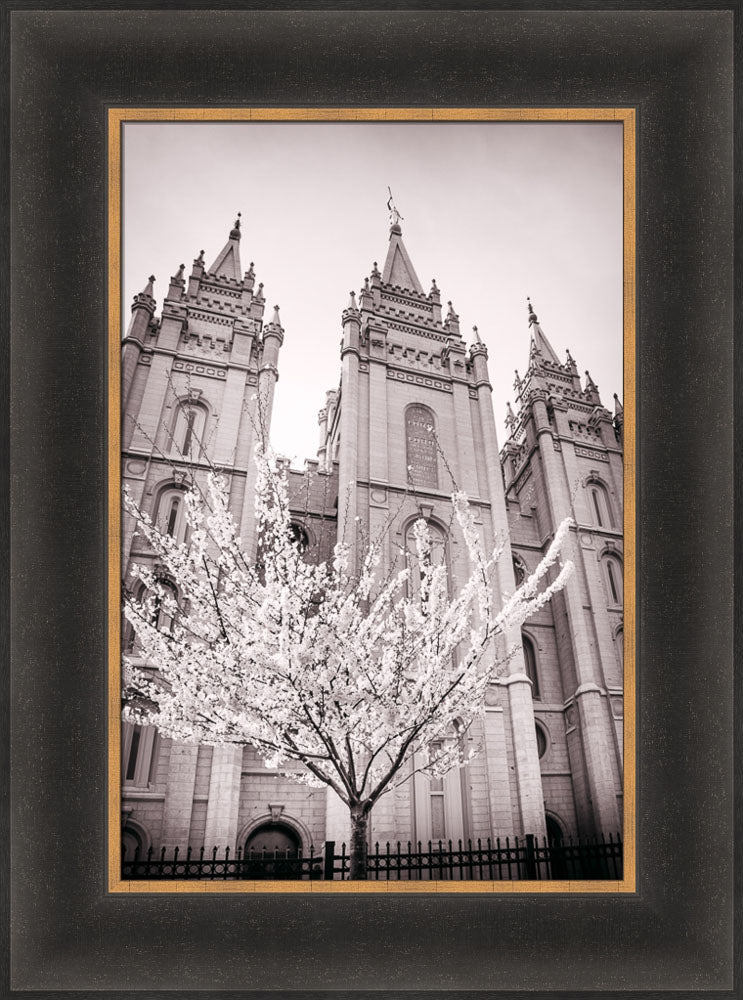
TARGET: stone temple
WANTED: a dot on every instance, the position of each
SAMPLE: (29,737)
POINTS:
(193,374)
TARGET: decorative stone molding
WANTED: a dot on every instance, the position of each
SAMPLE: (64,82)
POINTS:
(591,453)
(430,383)
(196,369)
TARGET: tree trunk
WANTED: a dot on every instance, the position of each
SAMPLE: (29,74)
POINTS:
(359,833)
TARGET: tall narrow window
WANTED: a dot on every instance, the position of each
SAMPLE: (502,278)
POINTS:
(600,504)
(173,515)
(131,764)
(530,662)
(191,417)
(613,586)
(138,754)
(438,820)
(420,435)
(189,429)
(614,580)
(162,617)
(171,519)
(436,557)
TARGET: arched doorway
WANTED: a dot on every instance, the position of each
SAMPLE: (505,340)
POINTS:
(135,848)
(558,862)
(131,844)
(273,851)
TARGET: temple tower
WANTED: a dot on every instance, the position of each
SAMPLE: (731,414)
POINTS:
(412,421)
(197,391)
(564,459)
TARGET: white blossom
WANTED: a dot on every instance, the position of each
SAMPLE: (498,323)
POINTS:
(336,679)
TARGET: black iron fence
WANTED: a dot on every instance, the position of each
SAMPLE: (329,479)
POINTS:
(518,858)
(241,865)
(525,858)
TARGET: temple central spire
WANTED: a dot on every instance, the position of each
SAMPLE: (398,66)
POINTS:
(398,267)
(395,217)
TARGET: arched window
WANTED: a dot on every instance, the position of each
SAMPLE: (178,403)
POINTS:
(619,640)
(189,428)
(530,662)
(599,504)
(437,555)
(161,617)
(614,580)
(171,513)
(420,436)
(519,570)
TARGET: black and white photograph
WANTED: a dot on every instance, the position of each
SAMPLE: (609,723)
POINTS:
(372,441)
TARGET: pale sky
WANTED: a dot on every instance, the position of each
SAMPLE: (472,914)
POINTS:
(493,211)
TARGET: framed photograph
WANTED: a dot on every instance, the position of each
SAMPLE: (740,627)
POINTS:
(495,763)
(369,480)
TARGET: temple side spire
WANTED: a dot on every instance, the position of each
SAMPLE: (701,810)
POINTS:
(540,346)
(227,264)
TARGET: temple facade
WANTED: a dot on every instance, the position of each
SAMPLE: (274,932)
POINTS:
(411,417)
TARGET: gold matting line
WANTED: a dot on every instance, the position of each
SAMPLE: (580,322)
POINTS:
(370,114)
(114,499)
(629,776)
(117,117)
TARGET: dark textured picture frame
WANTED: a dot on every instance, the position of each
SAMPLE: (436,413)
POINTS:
(67,932)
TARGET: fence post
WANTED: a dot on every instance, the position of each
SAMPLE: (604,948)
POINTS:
(329,860)
(531,864)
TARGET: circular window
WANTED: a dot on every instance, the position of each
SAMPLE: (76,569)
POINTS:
(299,536)
(541,740)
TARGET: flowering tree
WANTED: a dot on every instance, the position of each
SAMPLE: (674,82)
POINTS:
(350,674)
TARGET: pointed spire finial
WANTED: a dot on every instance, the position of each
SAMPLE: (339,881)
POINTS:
(532,314)
(146,298)
(181,269)
(395,217)
(235,231)
(517,380)
(276,319)
(590,384)
(618,408)
(200,258)
(510,416)
(477,335)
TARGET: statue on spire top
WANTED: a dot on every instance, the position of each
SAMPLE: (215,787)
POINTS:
(395,217)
